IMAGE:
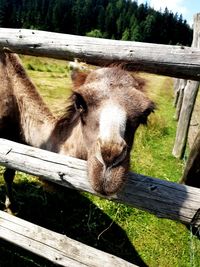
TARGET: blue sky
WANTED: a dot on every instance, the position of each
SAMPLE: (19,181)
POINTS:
(185,7)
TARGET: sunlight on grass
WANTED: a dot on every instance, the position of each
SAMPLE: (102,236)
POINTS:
(153,144)
(159,242)
(54,85)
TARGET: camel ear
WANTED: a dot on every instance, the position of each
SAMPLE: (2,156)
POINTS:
(78,78)
(140,84)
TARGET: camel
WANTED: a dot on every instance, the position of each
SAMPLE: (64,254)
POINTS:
(105,108)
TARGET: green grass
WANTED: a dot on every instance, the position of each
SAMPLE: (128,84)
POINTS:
(132,234)
(153,144)
(52,79)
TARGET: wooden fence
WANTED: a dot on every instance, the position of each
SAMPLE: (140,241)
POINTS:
(57,248)
(186,92)
(185,102)
(176,61)
(162,198)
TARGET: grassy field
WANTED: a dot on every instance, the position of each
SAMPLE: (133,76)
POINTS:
(129,233)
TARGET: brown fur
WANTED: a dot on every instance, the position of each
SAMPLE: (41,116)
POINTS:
(25,118)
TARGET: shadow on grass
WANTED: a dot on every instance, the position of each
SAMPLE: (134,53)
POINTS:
(70,213)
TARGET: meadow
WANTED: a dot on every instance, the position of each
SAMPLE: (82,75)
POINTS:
(129,233)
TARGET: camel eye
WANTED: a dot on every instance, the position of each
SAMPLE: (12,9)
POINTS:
(80,103)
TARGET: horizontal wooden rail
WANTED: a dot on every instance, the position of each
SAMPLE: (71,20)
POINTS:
(162,198)
(175,61)
(57,248)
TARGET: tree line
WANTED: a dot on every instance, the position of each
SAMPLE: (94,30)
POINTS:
(116,19)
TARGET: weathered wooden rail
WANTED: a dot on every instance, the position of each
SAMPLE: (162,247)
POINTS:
(162,198)
(175,61)
(57,248)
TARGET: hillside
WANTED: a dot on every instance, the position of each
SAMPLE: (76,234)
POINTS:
(113,19)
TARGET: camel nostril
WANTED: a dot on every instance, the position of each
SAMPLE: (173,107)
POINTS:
(120,157)
(113,152)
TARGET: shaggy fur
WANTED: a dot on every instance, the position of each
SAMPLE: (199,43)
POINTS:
(25,118)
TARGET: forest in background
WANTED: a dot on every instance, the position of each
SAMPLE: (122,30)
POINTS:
(112,19)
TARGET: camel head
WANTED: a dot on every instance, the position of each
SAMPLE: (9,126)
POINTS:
(111,105)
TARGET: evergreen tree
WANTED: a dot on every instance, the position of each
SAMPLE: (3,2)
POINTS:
(149,28)
(126,35)
(101,19)
(118,19)
(95,33)
(110,25)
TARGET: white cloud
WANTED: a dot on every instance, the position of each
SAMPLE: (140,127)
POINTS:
(173,5)
(176,6)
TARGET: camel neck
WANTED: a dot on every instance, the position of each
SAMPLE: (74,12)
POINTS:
(67,139)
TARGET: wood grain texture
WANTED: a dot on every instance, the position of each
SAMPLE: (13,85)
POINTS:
(176,91)
(57,248)
(175,61)
(162,198)
(179,101)
(188,99)
(188,102)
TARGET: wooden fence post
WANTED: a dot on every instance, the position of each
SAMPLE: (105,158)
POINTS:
(180,94)
(191,175)
(176,91)
(189,98)
(188,103)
